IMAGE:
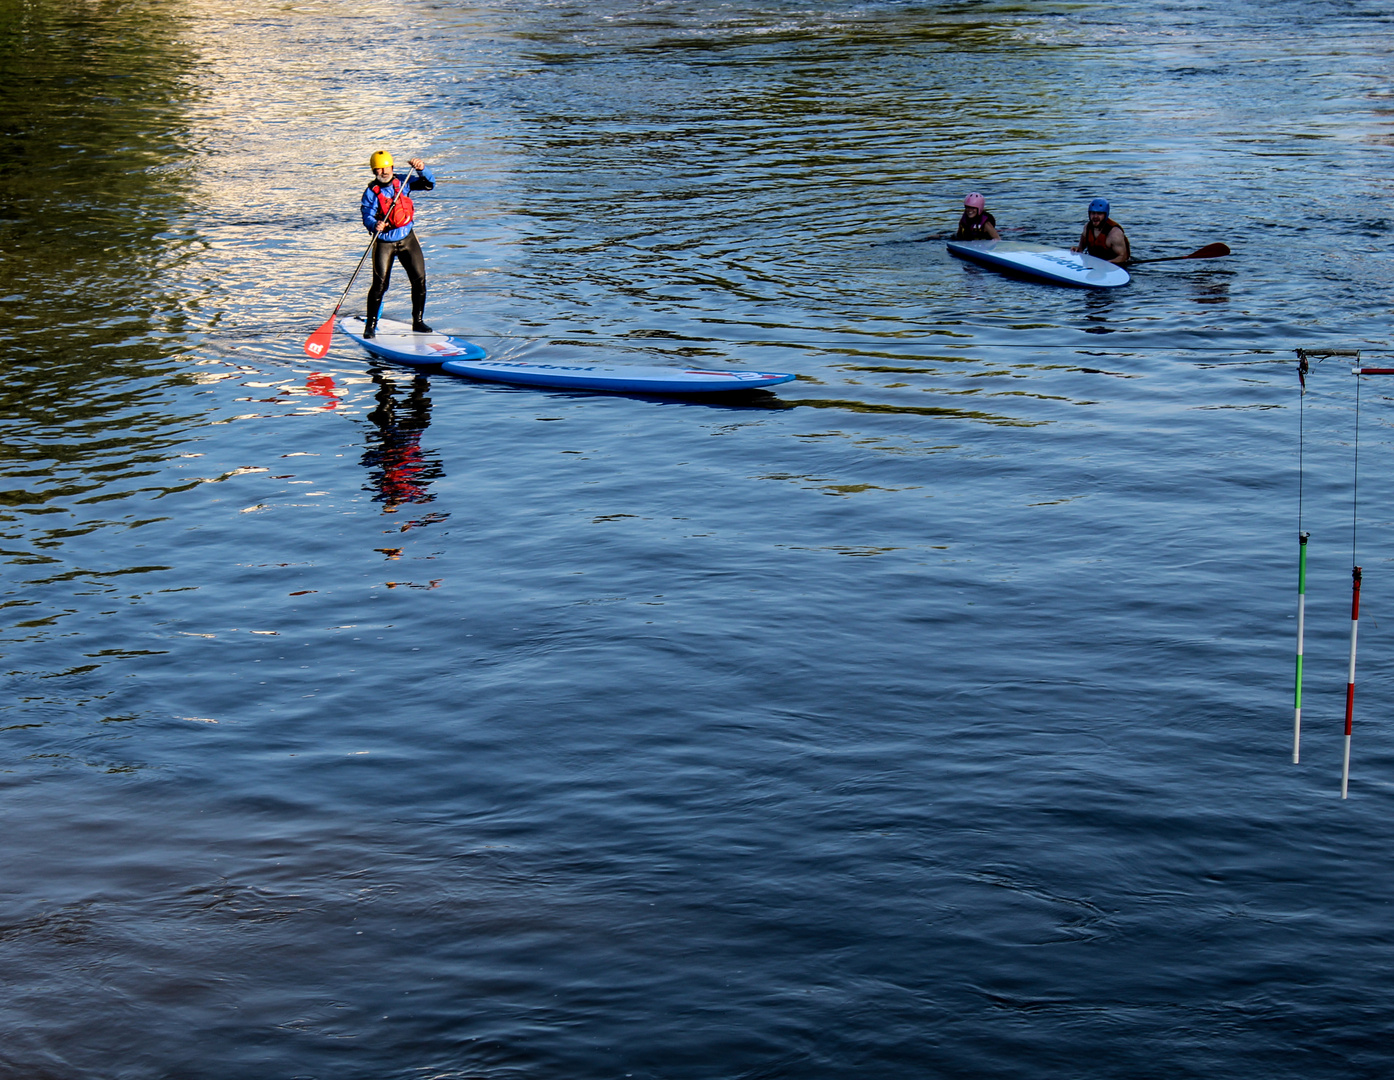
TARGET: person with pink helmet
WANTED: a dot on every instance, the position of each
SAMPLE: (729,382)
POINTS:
(976,223)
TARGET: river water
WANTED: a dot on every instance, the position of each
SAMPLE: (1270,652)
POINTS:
(930,717)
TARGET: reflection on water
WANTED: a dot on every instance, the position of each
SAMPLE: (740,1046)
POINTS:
(401,472)
(1209,291)
(322,386)
(1099,304)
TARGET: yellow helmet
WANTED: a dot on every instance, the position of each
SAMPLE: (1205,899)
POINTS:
(380,160)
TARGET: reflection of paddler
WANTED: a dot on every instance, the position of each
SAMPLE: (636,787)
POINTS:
(976,223)
(388,211)
(1103,237)
(400,472)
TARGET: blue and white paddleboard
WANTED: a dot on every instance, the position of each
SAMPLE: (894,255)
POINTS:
(1056,265)
(396,341)
(616,378)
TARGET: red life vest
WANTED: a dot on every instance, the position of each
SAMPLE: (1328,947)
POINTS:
(1096,243)
(400,214)
(975,229)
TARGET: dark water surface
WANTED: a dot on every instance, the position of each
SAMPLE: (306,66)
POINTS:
(929,718)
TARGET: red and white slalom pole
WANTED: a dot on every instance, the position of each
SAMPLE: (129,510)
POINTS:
(1350,678)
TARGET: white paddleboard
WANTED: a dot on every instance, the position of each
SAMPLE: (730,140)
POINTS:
(1056,265)
(616,378)
(396,341)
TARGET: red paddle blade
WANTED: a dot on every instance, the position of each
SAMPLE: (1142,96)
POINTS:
(1210,251)
(317,344)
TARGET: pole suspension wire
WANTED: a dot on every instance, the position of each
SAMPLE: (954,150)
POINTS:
(1301,445)
(1355,472)
(1302,537)
(1301,619)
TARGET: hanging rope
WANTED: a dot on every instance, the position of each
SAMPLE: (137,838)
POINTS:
(1302,369)
(1301,430)
(1355,479)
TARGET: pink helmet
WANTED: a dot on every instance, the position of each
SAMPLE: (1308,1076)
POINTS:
(975,200)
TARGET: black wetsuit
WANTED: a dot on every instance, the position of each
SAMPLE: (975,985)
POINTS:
(397,242)
(408,251)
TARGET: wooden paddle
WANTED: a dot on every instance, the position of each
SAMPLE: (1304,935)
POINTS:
(317,344)
(1209,251)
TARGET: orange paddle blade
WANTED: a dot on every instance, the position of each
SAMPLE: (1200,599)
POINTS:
(317,344)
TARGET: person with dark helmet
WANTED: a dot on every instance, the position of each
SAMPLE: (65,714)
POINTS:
(1103,237)
(392,223)
(976,223)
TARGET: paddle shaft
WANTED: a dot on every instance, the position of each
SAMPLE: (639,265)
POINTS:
(1210,251)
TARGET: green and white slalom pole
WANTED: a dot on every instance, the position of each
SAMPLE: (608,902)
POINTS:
(1301,618)
(1350,678)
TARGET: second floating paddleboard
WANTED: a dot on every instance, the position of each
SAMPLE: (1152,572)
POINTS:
(1056,265)
(616,378)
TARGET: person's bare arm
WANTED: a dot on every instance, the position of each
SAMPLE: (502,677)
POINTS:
(1118,244)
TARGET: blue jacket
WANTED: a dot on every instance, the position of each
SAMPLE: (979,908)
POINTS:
(424,181)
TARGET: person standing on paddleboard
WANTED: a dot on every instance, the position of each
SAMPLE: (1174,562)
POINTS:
(1103,237)
(392,224)
(976,223)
